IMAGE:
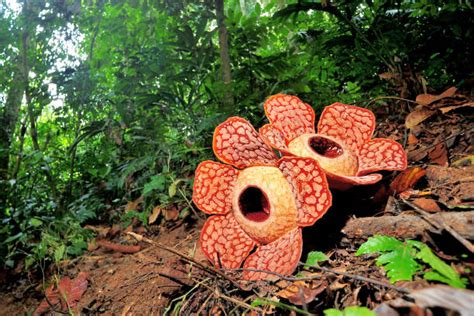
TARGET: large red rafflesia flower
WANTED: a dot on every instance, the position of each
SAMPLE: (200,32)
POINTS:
(262,205)
(343,145)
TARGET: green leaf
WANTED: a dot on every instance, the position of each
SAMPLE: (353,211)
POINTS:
(156,183)
(379,244)
(349,311)
(173,186)
(314,257)
(36,222)
(262,301)
(442,271)
(59,253)
(399,263)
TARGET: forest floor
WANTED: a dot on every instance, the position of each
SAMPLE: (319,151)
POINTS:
(167,273)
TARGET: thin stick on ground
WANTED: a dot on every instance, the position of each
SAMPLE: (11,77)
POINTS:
(315,277)
(228,298)
(439,224)
(208,269)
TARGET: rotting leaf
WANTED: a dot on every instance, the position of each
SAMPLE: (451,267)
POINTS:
(418,116)
(427,204)
(439,155)
(66,295)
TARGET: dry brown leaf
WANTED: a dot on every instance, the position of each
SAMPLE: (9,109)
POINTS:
(412,140)
(418,116)
(447,109)
(407,179)
(426,204)
(154,215)
(302,292)
(171,214)
(426,99)
(439,155)
(133,205)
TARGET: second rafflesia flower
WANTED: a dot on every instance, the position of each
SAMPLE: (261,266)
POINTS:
(262,206)
(343,146)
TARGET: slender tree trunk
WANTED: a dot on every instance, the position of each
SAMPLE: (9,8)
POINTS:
(9,117)
(225,58)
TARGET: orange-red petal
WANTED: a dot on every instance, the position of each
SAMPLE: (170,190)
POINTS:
(224,243)
(381,154)
(280,256)
(274,137)
(310,187)
(213,186)
(289,114)
(341,182)
(350,124)
(236,142)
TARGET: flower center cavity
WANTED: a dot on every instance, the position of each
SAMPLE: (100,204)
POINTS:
(325,147)
(254,205)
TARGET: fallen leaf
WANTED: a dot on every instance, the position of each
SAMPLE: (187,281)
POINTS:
(439,155)
(426,99)
(418,116)
(447,109)
(407,179)
(388,75)
(133,205)
(301,292)
(65,296)
(171,214)
(412,140)
(154,214)
(426,204)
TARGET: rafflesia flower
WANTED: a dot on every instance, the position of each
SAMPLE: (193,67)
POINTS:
(343,146)
(261,205)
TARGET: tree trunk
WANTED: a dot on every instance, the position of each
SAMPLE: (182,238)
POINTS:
(225,58)
(9,117)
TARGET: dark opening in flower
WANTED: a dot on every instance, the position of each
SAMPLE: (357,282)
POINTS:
(253,204)
(325,147)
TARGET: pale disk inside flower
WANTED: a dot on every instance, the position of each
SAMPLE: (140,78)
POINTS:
(332,155)
(264,204)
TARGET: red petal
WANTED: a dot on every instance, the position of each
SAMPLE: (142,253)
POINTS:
(381,154)
(290,115)
(280,256)
(340,182)
(213,186)
(236,142)
(224,243)
(350,124)
(274,137)
(309,185)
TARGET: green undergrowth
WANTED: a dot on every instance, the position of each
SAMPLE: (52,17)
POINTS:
(404,260)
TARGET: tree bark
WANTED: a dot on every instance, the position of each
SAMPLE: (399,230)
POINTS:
(225,57)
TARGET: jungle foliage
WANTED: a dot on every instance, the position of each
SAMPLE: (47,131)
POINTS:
(103,102)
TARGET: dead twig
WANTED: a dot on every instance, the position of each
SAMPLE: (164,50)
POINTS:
(315,277)
(218,295)
(208,269)
(439,224)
